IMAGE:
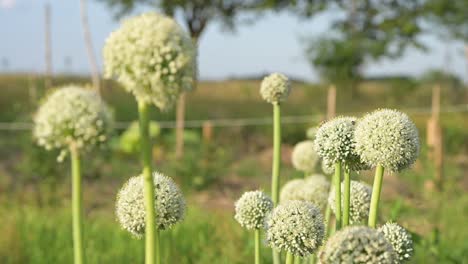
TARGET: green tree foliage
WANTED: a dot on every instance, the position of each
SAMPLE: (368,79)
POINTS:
(336,60)
(197,14)
(438,76)
(451,16)
(363,31)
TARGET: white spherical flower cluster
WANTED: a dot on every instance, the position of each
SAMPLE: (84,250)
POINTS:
(400,239)
(152,57)
(388,138)
(312,189)
(359,203)
(252,208)
(275,88)
(130,204)
(357,244)
(335,142)
(296,227)
(304,157)
(72,116)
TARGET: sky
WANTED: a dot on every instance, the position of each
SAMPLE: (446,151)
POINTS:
(272,44)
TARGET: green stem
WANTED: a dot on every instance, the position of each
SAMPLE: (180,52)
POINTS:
(347,196)
(328,223)
(276,256)
(376,189)
(276,164)
(289,258)
(327,219)
(337,184)
(276,153)
(312,259)
(152,255)
(297,260)
(77,210)
(257,246)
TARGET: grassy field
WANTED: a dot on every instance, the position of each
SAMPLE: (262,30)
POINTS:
(35,189)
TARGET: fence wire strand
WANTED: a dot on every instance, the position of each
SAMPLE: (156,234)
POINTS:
(239,122)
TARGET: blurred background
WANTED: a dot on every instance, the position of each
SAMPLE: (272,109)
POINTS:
(345,57)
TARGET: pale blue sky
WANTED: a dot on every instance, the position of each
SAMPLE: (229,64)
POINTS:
(271,44)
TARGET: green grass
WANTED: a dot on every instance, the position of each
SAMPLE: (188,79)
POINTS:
(32,235)
(35,189)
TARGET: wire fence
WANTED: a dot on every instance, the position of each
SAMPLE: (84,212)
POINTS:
(239,122)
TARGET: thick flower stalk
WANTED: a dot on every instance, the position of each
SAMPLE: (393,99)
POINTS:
(335,144)
(131,209)
(385,139)
(275,89)
(73,119)
(359,201)
(400,239)
(312,189)
(357,244)
(154,59)
(295,227)
(251,211)
(304,157)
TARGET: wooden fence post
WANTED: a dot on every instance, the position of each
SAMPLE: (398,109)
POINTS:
(435,138)
(207,131)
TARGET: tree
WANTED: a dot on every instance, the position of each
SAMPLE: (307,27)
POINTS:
(368,31)
(337,61)
(432,76)
(450,17)
(196,14)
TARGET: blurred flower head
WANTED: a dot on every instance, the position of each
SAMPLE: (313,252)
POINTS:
(152,57)
(275,88)
(303,157)
(312,189)
(311,132)
(72,116)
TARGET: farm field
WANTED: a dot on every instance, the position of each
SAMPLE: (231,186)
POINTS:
(35,189)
